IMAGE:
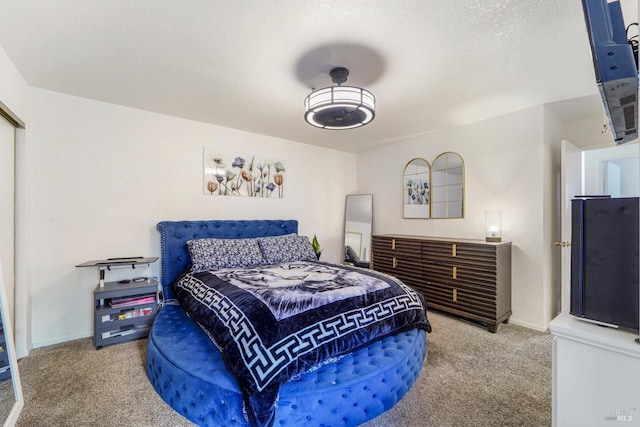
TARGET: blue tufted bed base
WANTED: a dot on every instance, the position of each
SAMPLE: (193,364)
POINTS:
(187,370)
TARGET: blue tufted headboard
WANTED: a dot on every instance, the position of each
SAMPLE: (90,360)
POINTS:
(174,255)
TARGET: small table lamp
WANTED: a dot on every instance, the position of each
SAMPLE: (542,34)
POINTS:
(493,226)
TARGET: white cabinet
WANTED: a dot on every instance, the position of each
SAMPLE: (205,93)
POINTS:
(596,375)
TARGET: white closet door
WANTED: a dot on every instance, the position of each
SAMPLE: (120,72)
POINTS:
(7,201)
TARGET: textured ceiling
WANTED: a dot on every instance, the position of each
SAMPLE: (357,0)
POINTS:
(249,64)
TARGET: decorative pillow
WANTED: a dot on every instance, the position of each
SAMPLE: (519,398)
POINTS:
(351,255)
(213,254)
(287,248)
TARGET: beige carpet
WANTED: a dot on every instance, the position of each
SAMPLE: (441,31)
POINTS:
(471,378)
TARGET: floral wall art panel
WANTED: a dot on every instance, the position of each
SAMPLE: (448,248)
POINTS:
(416,189)
(241,174)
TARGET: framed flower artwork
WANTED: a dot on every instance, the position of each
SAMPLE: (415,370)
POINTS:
(243,175)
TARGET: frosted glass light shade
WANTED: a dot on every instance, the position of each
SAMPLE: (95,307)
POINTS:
(493,226)
(339,107)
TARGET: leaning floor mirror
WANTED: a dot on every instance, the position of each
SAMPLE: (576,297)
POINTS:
(11,399)
(357,230)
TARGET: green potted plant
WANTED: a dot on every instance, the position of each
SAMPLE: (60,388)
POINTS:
(316,246)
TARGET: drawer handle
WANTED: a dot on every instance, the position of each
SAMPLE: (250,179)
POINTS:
(453,250)
(455,295)
(395,262)
(454,273)
(393,244)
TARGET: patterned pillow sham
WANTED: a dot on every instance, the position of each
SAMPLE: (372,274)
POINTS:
(214,254)
(287,248)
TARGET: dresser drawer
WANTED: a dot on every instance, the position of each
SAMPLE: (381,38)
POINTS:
(407,247)
(401,258)
(455,296)
(394,255)
(476,256)
(407,270)
(437,251)
(460,277)
(461,302)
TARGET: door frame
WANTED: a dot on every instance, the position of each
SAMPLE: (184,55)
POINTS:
(571,185)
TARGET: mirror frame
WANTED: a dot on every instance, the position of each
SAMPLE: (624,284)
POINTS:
(419,213)
(12,418)
(365,256)
(446,186)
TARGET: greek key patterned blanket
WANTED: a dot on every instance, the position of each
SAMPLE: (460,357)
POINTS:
(272,323)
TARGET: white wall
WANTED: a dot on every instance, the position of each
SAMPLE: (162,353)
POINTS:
(593,170)
(504,163)
(103,175)
(14,91)
(587,132)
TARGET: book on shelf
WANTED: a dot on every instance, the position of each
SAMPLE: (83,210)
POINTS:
(128,314)
(126,301)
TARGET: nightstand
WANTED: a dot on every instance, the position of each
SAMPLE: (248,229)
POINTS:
(123,310)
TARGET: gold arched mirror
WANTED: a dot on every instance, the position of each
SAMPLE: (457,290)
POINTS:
(447,185)
(416,189)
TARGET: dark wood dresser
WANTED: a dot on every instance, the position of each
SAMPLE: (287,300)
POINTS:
(468,278)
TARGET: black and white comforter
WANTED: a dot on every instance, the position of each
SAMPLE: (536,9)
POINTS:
(272,323)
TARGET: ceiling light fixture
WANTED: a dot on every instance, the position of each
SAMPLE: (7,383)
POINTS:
(339,107)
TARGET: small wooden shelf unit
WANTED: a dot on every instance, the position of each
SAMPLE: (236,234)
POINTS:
(468,278)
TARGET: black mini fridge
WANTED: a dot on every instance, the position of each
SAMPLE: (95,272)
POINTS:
(604,261)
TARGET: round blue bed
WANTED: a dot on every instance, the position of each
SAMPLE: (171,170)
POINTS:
(187,370)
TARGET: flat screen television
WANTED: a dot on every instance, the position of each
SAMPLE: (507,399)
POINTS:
(615,65)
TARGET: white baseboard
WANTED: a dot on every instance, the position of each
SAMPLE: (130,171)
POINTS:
(58,340)
(529,325)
